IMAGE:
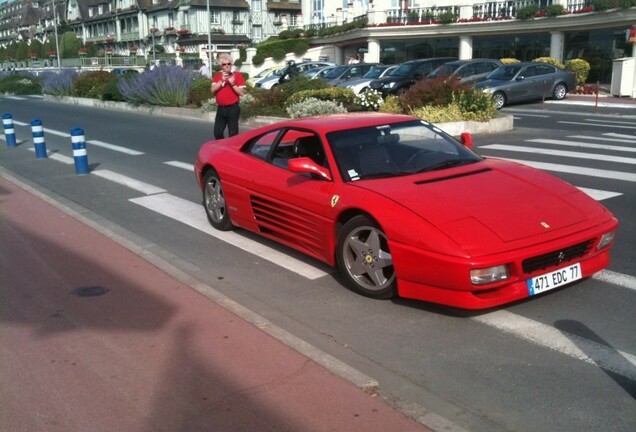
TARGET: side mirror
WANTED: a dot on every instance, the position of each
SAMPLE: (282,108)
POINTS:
(520,78)
(467,139)
(304,165)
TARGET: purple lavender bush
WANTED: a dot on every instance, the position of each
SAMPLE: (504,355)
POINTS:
(59,83)
(163,86)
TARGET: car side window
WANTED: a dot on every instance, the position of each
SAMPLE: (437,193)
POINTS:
(527,72)
(466,71)
(544,69)
(260,146)
(425,68)
(298,143)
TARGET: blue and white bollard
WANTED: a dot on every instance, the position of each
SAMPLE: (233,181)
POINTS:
(79,151)
(9,130)
(38,139)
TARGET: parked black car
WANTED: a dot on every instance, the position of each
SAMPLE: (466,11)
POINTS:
(406,74)
(345,72)
(468,72)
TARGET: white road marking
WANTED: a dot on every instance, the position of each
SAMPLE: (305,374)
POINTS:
(592,172)
(599,195)
(114,147)
(572,345)
(183,165)
(610,121)
(19,123)
(15,98)
(61,158)
(633,137)
(54,132)
(584,145)
(142,187)
(193,215)
(617,139)
(623,280)
(534,115)
(601,125)
(577,155)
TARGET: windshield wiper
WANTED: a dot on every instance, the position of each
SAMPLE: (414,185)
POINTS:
(447,164)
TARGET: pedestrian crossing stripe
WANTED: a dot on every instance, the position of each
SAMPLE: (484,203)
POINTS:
(577,155)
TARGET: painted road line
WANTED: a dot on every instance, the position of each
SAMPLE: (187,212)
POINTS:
(614,134)
(610,121)
(577,155)
(54,132)
(15,98)
(19,123)
(599,195)
(61,158)
(534,115)
(624,138)
(145,188)
(183,165)
(584,145)
(614,278)
(570,344)
(570,169)
(192,214)
(114,147)
(601,125)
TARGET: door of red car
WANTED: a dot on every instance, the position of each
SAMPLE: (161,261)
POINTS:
(290,207)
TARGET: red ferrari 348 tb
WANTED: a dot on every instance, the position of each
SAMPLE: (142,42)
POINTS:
(402,208)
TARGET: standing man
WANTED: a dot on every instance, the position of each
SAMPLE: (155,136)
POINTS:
(227,88)
(205,70)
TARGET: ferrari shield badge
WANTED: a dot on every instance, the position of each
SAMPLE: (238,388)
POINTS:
(545,225)
(334,200)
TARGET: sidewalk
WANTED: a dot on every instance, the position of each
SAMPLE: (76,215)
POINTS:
(96,338)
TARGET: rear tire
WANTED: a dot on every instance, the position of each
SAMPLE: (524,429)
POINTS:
(214,202)
(364,259)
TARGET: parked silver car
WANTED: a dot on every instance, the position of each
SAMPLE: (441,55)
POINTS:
(273,80)
(360,85)
(526,81)
(344,72)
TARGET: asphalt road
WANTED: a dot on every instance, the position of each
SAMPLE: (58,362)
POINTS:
(561,361)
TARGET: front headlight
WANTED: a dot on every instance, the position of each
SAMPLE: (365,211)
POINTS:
(488,90)
(606,240)
(389,85)
(488,275)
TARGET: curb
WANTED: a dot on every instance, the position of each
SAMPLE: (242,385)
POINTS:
(501,123)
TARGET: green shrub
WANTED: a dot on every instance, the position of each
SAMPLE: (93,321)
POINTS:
(550,60)
(20,85)
(200,92)
(554,10)
(475,105)
(312,107)
(603,5)
(370,100)
(527,12)
(339,95)
(581,69)
(265,103)
(110,90)
(278,53)
(300,83)
(438,114)
(92,84)
(447,18)
(392,105)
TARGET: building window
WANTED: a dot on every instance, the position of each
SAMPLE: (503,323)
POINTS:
(257,6)
(215,17)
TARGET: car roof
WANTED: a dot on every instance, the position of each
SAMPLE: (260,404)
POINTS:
(429,59)
(463,62)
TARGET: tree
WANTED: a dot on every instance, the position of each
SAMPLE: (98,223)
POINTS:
(69,45)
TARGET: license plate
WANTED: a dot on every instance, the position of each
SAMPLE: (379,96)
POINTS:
(555,279)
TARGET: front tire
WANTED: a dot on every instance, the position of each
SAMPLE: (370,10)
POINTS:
(500,100)
(559,91)
(214,202)
(364,259)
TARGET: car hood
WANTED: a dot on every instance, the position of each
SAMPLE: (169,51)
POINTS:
(508,200)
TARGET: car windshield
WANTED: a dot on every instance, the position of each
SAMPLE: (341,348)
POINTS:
(403,70)
(396,149)
(335,72)
(504,72)
(444,70)
(375,72)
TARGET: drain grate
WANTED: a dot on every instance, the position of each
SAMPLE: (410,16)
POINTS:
(90,291)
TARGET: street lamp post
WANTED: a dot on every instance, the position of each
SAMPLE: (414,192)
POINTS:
(154,48)
(209,39)
(57,46)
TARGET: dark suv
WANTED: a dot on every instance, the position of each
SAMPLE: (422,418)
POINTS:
(406,74)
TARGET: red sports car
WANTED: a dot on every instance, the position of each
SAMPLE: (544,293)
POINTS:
(402,208)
